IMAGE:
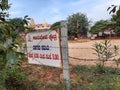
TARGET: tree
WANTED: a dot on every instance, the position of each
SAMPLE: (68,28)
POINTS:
(19,23)
(9,34)
(55,25)
(116,24)
(101,25)
(115,10)
(78,24)
(4,6)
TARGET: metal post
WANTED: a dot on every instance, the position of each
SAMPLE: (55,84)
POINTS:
(64,45)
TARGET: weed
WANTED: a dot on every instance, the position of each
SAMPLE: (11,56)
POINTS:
(14,79)
(105,51)
(117,62)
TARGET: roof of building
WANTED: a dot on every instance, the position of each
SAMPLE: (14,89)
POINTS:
(42,26)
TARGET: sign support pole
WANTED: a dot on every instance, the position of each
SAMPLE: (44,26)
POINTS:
(64,46)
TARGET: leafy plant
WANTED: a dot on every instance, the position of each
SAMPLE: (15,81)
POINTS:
(13,79)
(117,62)
(55,25)
(101,25)
(79,68)
(115,10)
(9,37)
(99,69)
(106,78)
(104,50)
(78,24)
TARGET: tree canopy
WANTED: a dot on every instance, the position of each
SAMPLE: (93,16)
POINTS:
(78,24)
(115,10)
(19,23)
(4,6)
(101,25)
(116,24)
(55,25)
(9,34)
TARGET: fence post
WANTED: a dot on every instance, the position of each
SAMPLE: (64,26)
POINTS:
(64,46)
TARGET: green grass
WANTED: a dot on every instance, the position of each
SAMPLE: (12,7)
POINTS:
(89,78)
(95,78)
(83,78)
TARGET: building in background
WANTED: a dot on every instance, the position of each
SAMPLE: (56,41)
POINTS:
(42,26)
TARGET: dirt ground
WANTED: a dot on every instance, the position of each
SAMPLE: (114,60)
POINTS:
(83,52)
(80,53)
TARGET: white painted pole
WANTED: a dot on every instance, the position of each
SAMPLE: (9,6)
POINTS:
(64,46)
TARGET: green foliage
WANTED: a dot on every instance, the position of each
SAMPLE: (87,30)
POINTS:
(9,44)
(105,51)
(55,25)
(78,24)
(96,78)
(50,86)
(19,23)
(4,6)
(115,10)
(116,24)
(99,69)
(117,62)
(79,69)
(13,78)
(9,36)
(101,25)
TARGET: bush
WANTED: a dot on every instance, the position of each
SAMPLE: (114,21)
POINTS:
(14,79)
(100,68)
(105,51)
(96,77)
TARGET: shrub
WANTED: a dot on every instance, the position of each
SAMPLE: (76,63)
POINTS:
(14,79)
(105,51)
(117,62)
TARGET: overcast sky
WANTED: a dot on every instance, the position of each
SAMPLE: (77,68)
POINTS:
(55,10)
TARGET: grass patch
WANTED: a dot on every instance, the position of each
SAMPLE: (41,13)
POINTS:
(95,78)
(82,78)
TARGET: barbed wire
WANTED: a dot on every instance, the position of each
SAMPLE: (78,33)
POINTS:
(41,39)
(86,59)
(65,47)
(59,37)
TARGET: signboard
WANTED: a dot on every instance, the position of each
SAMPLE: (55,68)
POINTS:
(44,48)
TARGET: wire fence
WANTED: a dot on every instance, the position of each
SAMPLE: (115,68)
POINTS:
(86,54)
(79,53)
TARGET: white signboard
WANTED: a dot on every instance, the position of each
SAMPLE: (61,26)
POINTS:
(44,48)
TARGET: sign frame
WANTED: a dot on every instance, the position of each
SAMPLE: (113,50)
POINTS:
(51,59)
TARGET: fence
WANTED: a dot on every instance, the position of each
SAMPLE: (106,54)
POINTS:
(81,52)
(85,56)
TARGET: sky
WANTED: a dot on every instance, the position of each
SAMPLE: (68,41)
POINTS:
(52,11)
